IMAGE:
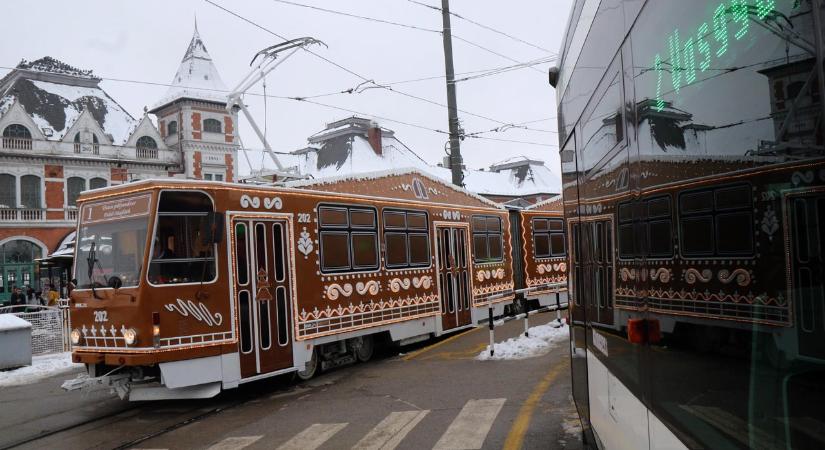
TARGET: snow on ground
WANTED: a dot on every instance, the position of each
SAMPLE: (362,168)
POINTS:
(542,339)
(43,366)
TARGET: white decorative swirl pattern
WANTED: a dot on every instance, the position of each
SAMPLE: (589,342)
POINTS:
(371,286)
(660,274)
(742,276)
(199,312)
(334,290)
(692,275)
(627,274)
(499,274)
(425,282)
(799,177)
(396,284)
(255,202)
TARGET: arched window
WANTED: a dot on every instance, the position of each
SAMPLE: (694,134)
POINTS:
(146,142)
(97,183)
(74,186)
(212,126)
(173,128)
(30,192)
(8,191)
(17,131)
(19,252)
(16,136)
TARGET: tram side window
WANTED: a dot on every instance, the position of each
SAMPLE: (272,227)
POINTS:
(716,222)
(487,239)
(650,232)
(348,238)
(548,237)
(180,253)
(406,240)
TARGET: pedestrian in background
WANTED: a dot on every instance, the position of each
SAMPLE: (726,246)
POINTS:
(52,296)
(17,297)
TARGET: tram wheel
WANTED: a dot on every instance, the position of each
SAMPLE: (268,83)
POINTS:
(311,367)
(365,351)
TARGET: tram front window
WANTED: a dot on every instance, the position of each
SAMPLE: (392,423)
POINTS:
(111,242)
(180,251)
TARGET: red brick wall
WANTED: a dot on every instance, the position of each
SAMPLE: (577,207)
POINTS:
(51,237)
(230,175)
(118,174)
(53,171)
(196,125)
(162,129)
(197,166)
(229,129)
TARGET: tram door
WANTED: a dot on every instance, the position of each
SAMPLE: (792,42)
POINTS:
(808,271)
(595,269)
(453,276)
(262,292)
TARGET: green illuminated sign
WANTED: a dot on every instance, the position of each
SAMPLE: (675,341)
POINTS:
(729,17)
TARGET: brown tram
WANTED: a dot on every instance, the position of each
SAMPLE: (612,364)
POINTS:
(544,246)
(184,288)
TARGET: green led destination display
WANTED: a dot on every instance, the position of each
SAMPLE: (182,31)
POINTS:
(690,53)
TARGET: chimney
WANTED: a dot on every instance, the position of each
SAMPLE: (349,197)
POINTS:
(374,136)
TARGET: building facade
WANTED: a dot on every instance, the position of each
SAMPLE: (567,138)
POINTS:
(63,134)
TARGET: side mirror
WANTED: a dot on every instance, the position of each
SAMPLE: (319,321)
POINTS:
(212,229)
(553,76)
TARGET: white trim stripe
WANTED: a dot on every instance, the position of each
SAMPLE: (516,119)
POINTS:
(313,437)
(470,427)
(391,431)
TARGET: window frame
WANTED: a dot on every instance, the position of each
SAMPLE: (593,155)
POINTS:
(406,231)
(486,235)
(714,213)
(349,231)
(211,121)
(151,238)
(634,221)
(549,233)
(169,128)
(17,126)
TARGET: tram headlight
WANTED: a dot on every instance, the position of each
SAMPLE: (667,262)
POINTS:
(130,336)
(75,336)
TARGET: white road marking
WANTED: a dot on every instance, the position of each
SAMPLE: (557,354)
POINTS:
(470,427)
(235,443)
(313,437)
(390,431)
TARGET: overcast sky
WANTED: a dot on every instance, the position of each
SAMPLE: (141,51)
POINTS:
(146,40)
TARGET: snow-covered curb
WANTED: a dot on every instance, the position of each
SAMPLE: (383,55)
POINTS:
(43,366)
(542,339)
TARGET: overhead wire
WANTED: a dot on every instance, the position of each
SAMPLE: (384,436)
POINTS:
(398,24)
(486,27)
(363,78)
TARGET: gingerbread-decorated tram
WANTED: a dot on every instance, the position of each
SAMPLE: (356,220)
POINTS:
(544,252)
(184,288)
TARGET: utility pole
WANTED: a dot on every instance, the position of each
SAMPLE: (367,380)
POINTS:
(455,145)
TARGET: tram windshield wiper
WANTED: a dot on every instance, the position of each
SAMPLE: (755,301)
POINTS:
(90,262)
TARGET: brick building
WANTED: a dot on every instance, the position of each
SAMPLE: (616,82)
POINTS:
(63,134)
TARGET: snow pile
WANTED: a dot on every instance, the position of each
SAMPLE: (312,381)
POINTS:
(43,366)
(542,339)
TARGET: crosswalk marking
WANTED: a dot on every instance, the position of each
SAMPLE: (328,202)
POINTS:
(235,443)
(470,427)
(313,437)
(391,431)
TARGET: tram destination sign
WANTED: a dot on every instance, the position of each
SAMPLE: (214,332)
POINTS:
(119,209)
(693,51)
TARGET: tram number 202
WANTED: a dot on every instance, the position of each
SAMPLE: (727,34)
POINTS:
(101,316)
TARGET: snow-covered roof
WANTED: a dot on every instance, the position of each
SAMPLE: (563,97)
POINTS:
(373,175)
(343,149)
(56,99)
(197,77)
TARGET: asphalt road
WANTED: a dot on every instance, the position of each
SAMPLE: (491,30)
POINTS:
(435,396)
